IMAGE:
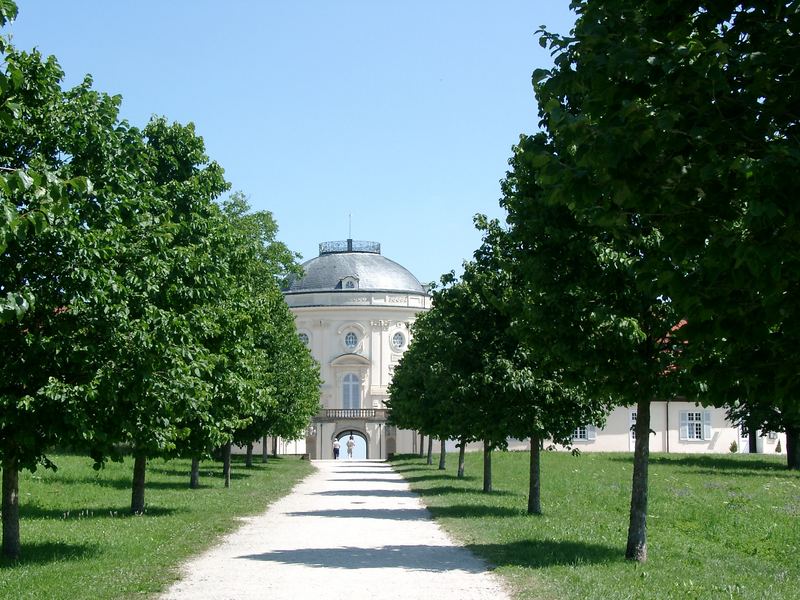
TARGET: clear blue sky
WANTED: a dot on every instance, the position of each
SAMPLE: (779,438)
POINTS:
(402,114)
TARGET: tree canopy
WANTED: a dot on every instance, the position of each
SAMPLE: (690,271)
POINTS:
(138,312)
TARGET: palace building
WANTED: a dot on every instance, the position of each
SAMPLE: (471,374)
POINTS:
(353,308)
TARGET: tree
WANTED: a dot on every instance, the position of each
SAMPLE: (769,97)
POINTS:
(430,392)
(641,174)
(540,403)
(55,235)
(286,368)
(172,269)
(684,115)
(467,376)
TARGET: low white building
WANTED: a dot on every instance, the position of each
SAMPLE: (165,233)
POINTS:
(676,426)
(354,308)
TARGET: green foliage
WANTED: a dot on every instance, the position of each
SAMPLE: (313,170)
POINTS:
(682,118)
(723,526)
(135,311)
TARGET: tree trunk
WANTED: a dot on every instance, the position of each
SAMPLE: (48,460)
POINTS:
(11,543)
(442,454)
(637,527)
(264,451)
(534,486)
(194,476)
(461,450)
(487,467)
(430,449)
(752,438)
(137,493)
(421,445)
(275,445)
(226,464)
(248,459)
(793,448)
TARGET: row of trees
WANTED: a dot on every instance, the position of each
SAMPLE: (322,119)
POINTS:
(139,312)
(651,245)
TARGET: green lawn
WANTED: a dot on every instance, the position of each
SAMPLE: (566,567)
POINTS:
(78,540)
(722,526)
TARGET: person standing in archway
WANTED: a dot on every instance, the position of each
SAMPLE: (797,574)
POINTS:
(335,448)
(350,445)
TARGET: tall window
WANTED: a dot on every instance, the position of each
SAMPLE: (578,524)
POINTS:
(695,425)
(351,391)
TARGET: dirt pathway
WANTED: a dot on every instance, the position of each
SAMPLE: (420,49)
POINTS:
(351,530)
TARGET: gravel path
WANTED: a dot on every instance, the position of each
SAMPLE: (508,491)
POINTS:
(353,530)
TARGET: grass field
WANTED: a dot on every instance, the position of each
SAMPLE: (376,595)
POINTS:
(718,526)
(78,540)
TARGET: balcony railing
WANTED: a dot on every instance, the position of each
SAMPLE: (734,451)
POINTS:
(353,413)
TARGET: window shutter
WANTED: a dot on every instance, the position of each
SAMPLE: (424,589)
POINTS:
(684,432)
(591,432)
(707,425)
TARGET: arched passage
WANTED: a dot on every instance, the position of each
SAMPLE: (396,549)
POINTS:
(361,447)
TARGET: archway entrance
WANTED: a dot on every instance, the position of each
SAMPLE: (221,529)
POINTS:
(360,447)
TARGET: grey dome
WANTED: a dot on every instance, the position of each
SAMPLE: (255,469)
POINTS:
(353,266)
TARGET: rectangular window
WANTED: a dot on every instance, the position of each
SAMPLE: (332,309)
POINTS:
(695,425)
(585,433)
(772,435)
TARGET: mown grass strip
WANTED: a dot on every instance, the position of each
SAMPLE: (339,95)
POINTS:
(78,540)
(718,526)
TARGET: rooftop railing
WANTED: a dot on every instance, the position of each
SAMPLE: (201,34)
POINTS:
(349,246)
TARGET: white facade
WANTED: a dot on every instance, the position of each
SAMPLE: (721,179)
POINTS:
(353,308)
(677,426)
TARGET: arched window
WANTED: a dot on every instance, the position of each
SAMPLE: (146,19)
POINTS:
(351,391)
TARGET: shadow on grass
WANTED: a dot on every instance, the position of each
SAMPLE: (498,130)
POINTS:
(710,462)
(452,489)
(125,483)
(437,477)
(42,553)
(471,511)
(546,553)
(105,512)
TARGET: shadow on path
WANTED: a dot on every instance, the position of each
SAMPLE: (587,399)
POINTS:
(379,493)
(395,514)
(418,557)
(370,480)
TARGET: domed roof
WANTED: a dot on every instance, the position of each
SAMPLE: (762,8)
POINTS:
(350,266)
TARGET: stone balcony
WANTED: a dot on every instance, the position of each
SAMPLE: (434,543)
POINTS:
(352,414)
